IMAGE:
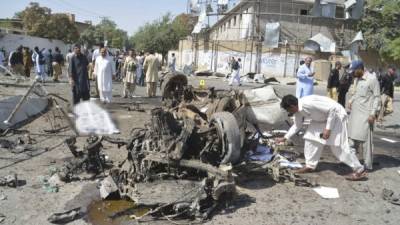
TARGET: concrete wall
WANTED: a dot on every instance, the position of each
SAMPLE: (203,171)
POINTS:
(11,41)
(216,55)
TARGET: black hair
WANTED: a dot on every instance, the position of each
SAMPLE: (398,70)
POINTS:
(101,45)
(289,100)
(392,67)
(151,52)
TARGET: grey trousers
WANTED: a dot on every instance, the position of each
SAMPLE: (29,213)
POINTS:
(367,149)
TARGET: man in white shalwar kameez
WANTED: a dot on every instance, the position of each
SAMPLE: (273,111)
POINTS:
(104,71)
(305,79)
(328,126)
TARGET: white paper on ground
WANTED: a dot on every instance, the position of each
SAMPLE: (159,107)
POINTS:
(388,140)
(92,119)
(288,164)
(327,192)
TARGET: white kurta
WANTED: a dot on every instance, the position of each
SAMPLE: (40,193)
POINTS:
(324,113)
(104,69)
(305,83)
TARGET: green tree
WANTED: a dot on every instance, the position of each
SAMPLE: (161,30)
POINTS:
(105,30)
(38,21)
(163,34)
(381,27)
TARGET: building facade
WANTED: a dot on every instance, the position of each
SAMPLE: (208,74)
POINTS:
(243,32)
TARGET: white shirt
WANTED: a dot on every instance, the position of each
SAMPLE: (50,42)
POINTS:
(104,69)
(317,109)
(68,57)
(304,72)
(95,54)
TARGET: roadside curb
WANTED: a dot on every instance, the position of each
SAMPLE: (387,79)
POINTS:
(387,133)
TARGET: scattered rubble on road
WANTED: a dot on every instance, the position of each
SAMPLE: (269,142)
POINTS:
(183,164)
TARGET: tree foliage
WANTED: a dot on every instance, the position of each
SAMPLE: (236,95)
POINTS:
(106,30)
(38,21)
(163,34)
(381,27)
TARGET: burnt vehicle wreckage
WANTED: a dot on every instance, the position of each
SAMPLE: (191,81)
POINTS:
(184,163)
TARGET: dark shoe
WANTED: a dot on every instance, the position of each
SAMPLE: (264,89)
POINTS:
(357,176)
(305,170)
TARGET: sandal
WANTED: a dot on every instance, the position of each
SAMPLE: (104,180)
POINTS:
(357,176)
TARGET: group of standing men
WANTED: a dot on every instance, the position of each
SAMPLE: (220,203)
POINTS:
(47,64)
(329,123)
(133,69)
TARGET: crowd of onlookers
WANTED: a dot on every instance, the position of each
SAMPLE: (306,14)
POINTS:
(127,66)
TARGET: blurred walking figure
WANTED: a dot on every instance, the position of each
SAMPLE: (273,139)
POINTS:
(140,71)
(27,59)
(58,63)
(333,81)
(2,57)
(104,71)
(151,66)
(91,65)
(172,63)
(78,76)
(387,90)
(344,85)
(129,74)
(38,59)
(231,61)
(364,106)
(305,79)
(17,61)
(48,58)
(235,76)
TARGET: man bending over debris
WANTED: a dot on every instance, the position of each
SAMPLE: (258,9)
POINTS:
(328,126)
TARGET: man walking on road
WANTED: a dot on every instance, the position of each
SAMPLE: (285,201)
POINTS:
(48,58)
(387,90)
(27,59)
(139,70)
(344,85)
(364,106)
(129,74)
(235,76)
(104,71)
(78,76)
(333,81)
(151,66)
(328,127)
(17,61)
(58,62)
(172,63)
(38,59)
(305,79)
